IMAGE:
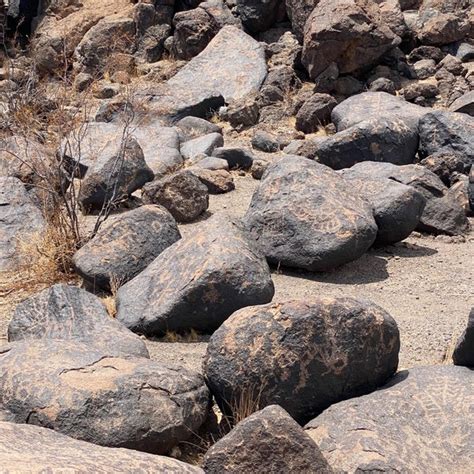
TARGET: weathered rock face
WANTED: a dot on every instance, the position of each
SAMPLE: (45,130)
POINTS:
(82,392)
(126,246)
(70,313)
(27,448)
(386,140)
(397,207)
(204,144)
(464,351)
(181,193)
(20,220)
(256,15)
(316,111)
(447,131)
(360,38)
(193,127)
(196,88)
(442,214)
(424,413)
(305,215)
(444,21)
(216,181)
(358,108)
(445,164)
(465,104)
(197,282)
(268,440)
(303,356)
(298,12)
(115,175)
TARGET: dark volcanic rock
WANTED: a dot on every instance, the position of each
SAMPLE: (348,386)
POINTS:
(425,413)
(447,131)
(27,448)
(236,157)
(347,33)
(181,193)
(305,215)
(464,351)
(263,141)
(372,105)
(442,214)
(316,111)
(20,221)
(298,13)
(302,355)
(269,440)
(117,173)
(70,313)
(445,163)
(125,247)
(82,392)
(216,181)
(256,15)
(465,104)
(386,140)
(197,283)
(397,207)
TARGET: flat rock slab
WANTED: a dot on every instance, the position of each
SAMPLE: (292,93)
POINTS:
(20,220)
(421,421)
(70,313)
(125,247)
(197,283)
(32,449)
(305,215)
(231,67)
(82,392)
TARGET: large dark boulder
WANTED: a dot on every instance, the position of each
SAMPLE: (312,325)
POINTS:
(348,33)
(372,105)
(303,356)
(80,391)
(70,313)
(397,207)
(126,246)
(256,15)
(386,140)
(421,421)
(464,350)
(442,214)
(447,131)
(28,448)
(181,193)
(20,221)
(269,440)
(119,171)
(197,283)
(305,215)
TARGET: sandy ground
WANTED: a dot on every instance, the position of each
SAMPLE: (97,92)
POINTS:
(425,283)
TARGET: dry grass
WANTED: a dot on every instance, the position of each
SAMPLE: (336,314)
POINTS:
(188,336)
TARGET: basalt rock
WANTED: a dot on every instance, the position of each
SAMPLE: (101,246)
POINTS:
(464,350)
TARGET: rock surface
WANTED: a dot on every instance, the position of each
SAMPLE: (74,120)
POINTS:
(305,215)
(423,413)
(70,313)
(464,350)
(303,356)
(197,282)
(125,247)
(27,448)
(82,392)
(268,440)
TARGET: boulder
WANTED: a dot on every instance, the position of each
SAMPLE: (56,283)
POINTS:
(445,163)
(269,440)
(126,246)
(181,193)
(307,216)
(119,171)
(235,157)
(84,393)
(197,90)
(464,350)
(256,15)
(204,144)
(302,355)
(72,314)
(20,221)
(28,448)
(298,13)
(442,214)
(197,283)
(376,105)
(459,191)
(447,131)
(315,112)
(361,39)
(265,142)
(397,207)
(424,413)
(465,104)
(193,127)
(387,140)
(210,163)
(216,181)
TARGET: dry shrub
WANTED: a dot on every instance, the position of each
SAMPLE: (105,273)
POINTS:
(186,337)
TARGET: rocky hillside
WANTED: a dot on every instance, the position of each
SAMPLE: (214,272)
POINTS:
(235,236)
